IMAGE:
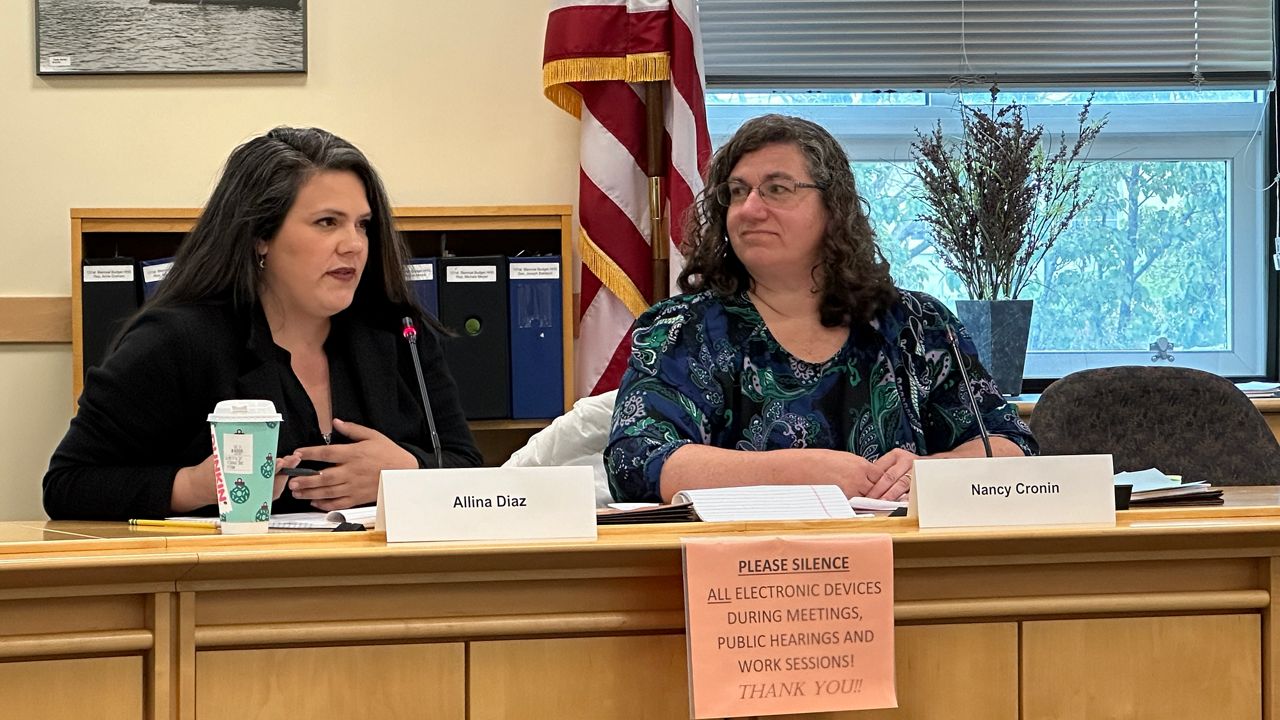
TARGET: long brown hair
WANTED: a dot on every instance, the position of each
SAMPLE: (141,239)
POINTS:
(852,273)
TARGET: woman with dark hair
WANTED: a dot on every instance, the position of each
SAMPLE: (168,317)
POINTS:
(792,358)
(290,288)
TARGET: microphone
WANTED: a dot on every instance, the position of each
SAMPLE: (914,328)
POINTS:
(973,401)
(411,334)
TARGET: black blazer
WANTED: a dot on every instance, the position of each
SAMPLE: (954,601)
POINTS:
(143,413)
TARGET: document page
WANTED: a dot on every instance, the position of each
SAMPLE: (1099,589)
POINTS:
(768,502)
(306,520)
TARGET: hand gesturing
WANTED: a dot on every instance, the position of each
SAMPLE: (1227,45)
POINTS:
(353,478)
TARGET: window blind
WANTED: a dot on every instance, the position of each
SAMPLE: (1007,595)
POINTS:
(930,44)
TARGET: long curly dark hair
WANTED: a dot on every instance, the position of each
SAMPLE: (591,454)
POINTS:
(852,273)
(261,179)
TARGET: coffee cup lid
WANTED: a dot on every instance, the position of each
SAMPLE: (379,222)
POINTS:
(245,411)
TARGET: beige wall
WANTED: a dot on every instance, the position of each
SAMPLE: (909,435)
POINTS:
(445,98)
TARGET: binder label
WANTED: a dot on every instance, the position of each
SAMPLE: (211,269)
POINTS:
(471,273)
(535,271)
(155,273)
(107,273)
(417,272)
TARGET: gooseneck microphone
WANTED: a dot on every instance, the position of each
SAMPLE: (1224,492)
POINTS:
(411,334)
(968,386)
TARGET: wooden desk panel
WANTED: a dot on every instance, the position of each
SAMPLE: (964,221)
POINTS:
(957,672)
(621,678)
(173,615)
(105,688)
(387,682)
(1149,668)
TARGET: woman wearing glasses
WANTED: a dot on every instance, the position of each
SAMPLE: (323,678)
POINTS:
(792,358)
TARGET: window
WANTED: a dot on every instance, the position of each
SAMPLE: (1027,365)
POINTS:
(1175,244)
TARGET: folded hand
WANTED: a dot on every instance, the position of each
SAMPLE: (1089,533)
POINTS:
(353,478)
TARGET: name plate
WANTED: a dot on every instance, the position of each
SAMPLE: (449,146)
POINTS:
(1045,490)
(518,503)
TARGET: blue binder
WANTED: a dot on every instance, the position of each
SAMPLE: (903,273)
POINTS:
(537,340)
(421,275)
(153,271)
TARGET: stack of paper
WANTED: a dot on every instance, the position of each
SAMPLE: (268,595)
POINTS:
(306,520)
(1196,493)
(1152,488)
(1259,389)
(629,513)
(768,502)
(325,521)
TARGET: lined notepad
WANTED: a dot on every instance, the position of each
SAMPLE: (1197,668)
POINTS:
(768,502)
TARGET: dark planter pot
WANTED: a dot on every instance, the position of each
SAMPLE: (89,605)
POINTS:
(1000,329)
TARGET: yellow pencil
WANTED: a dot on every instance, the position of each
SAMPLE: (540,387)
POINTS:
(175,524)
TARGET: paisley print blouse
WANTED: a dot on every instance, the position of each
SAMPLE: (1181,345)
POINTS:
(705,369)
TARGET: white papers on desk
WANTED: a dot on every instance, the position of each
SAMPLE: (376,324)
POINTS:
(768,502)
(1147,480)
(307,520)
(628,507)
(875,504)
(324,521)
(1259,389)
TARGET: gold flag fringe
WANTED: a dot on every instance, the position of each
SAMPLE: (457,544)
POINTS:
(645,67)
(614,278)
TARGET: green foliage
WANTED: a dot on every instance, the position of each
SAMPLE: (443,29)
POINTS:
(1148,258)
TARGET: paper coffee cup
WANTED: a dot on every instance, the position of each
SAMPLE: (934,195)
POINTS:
(245,433)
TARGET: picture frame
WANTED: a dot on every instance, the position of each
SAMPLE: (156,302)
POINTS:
(108,37)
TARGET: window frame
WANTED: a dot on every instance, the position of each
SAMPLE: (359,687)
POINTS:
(1154,131)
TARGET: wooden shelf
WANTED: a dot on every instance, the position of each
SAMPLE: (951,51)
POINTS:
(150,233)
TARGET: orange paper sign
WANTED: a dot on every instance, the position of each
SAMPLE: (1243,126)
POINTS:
(789,624)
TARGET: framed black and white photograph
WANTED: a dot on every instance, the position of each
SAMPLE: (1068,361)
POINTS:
(85,37)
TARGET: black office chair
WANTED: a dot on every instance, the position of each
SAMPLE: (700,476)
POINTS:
(1182,421)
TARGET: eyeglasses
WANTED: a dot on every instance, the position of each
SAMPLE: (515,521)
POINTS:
(776,193)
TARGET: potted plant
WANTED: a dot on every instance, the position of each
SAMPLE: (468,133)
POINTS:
(996,199)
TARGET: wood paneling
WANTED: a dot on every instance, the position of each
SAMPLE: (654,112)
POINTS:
(957,672)
(953,671)
(35,319)
(388,682)
(109,688)
(1166,615)
(1143,668)
(71,615)
(567,678)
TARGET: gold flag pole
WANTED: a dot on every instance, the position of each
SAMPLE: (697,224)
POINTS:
(659,242)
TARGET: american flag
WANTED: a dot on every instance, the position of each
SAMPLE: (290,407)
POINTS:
(595,54)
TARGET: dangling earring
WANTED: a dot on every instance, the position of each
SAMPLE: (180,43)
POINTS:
(262,261)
